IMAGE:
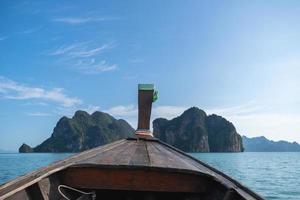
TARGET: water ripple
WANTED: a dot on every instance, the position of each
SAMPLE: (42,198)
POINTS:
(271,174)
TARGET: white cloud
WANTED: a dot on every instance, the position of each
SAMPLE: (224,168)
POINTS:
(254,120)
(247,108)
(127,112)
(80,20)
(80,50)
(64,49)
(276,126)
(69,111)
(123,111)
(13,90)
(84,57)
(130,112)
(168,112)
(158,111)
(91,108)
(275,112)
(92,67)
(39,114)
(250,119)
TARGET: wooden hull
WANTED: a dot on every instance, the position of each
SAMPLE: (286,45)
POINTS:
(129,169)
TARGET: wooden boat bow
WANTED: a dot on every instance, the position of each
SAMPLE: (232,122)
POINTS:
(139,167)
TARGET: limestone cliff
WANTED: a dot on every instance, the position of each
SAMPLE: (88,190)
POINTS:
(194,131)
(84,131)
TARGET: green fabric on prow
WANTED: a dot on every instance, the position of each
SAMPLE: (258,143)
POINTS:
(146,86)
(155,96)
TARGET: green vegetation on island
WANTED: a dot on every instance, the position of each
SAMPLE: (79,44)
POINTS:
(192,131)
(195,131)
(81,132)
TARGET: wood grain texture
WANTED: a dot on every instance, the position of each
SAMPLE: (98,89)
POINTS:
(29,179)
(146,153)
(145,98)
(21,195)
(137,180)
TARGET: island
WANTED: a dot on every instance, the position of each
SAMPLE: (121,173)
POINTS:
(195,131)
(81,132)
(262,144)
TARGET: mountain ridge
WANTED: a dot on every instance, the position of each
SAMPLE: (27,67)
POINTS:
(192,131)
(262,144)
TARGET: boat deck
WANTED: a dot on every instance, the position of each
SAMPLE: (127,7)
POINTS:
(139,154)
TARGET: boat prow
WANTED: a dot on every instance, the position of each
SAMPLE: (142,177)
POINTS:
(141,167)
(136,168)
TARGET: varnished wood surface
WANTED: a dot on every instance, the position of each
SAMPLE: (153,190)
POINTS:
(144,153)
(145,98)
(131,153)
(137,180)
(29,179)
(150,153)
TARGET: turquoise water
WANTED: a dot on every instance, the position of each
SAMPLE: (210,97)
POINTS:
(14,164)
(272,175)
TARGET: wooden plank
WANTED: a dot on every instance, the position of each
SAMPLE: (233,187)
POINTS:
(35,192)
(163,157)
(140,156)
(133,153)
(126,156)
(49,187)
(145,98)
(120,155)
(25,181)
(21,195)
(134,179)
(193,164)
(224,179)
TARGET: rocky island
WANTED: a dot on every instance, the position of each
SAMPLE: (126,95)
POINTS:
(262,144)
(195,131)
(81,132)
(24,148)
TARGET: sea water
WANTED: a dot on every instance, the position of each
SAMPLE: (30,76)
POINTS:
(272,175)
(16,164)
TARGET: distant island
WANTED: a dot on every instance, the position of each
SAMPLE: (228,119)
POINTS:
(262,144)
(193,131)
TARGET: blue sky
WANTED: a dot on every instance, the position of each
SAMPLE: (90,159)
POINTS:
(238,59)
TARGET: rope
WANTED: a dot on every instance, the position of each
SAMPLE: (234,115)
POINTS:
(76,190)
